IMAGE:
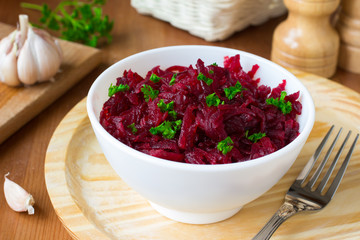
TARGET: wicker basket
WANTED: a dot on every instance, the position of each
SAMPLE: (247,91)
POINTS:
(211,20)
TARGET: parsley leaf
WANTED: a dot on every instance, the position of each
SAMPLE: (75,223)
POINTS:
(225,145)
(77,21)
(168,129)
(230,92)
(167,107)
(254,137)
(214,64)
(285,107)
(149,92)
(173,79)
(173,114)
(207,80)
(114,89)
(154,78)
(133,128)
(212,100)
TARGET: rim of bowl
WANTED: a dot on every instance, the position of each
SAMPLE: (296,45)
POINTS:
(203,167)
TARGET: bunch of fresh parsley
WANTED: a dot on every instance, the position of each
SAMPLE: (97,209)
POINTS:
(77,21)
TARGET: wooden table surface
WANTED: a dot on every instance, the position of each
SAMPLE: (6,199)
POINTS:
(23,153)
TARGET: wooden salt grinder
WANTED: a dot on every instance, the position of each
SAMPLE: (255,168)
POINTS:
(306,40)
(349,30)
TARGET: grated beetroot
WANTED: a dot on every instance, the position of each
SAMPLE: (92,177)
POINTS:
(202,127)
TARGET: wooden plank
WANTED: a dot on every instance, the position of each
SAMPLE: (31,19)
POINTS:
(94,203)
(20,104)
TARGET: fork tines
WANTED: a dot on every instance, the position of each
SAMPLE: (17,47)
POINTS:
(335,183)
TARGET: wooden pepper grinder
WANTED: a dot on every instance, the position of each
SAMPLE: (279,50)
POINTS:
(306,40)
(349,30)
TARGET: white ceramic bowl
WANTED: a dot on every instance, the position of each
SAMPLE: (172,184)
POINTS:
(192,193)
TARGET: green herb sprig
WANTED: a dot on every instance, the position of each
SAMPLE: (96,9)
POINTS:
(230,92)
(77,21)
(173,79)
(154,78)
(168,129)
(114,89)
(207,80)
(212,100)
(225,145)
(285,107)
(149,92)
(167,108)
(254,137)
(133,128)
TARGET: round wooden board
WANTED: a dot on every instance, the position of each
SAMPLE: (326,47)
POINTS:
(94,203)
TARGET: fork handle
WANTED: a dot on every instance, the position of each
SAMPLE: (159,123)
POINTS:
(285,211)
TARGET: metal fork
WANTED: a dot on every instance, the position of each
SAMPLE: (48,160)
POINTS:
(302,197)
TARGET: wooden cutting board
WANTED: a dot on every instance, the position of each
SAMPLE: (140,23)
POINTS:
(94,203)
(19,105)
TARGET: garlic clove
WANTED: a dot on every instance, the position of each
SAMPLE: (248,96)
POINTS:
(8,63)
(7,43)
(26,65)
(8,70)
(58,47)
(45,52)
(17,198)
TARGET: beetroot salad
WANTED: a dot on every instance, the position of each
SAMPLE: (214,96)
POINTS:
(202,114)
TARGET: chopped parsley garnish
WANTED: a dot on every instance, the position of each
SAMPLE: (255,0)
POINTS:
(167,107)
(254,137)
(168,129)
(214,64)
(207,80)
(149,92)
(173,79)
(225,145)
(154,78)
(212,100)
(133,128)
(285,107)
(173,114)
(211,71)
(230,92)
(114,89)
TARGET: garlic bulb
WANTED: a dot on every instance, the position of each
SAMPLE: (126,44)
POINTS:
(17,198)
(28,55)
